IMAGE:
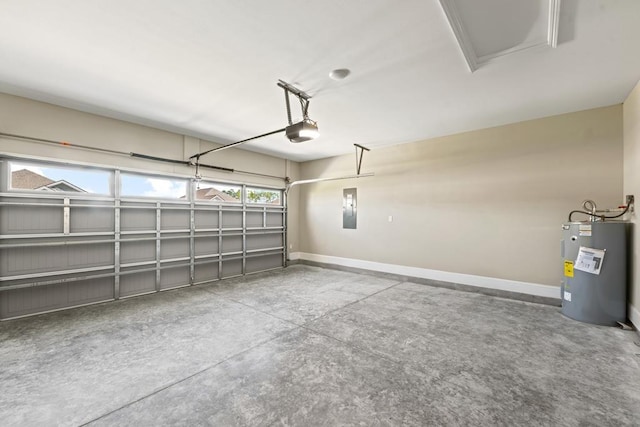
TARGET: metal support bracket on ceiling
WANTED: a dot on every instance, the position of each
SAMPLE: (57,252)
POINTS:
(306,129)
(359,160)
(359,153)
(303,97)
(294,90)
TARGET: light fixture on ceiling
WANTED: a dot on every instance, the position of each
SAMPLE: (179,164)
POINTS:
(302,131)
(306,129)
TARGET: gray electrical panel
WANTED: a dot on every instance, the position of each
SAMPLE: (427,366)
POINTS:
(594,285)
(349,208)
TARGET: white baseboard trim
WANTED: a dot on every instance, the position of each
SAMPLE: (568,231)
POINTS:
(634,316)
(444,276)
(294,256)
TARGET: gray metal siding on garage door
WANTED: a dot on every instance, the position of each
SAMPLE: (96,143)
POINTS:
(59,250)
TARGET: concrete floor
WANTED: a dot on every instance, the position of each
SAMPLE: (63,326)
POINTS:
(310,346)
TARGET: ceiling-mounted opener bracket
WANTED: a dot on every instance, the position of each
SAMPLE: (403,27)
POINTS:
(306,129)
(359,151)
(302,96)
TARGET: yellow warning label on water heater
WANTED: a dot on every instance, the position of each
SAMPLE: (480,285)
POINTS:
(568,268)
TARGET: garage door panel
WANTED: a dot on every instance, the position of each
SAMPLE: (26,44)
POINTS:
(231,244)
(98,219)
(264,241)
(274,219)
(137,251)
(232,219)
(30,260)
(264,262)
(22,302)
(174,248)
(254,219)
(206,272)
(206,246)
(231,268)
(137,219)
(174,277)
(31,219)
(137,283)
(175,220)
(68,247)
(206,219)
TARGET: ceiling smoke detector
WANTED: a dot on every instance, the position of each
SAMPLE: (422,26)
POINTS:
(339,74)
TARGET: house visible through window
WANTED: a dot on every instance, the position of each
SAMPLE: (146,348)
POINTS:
(218,192)
(51,177)
(43,177)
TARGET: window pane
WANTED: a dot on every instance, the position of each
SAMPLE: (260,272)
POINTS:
(152,186)
(45,177)
(217,192)
(264,196)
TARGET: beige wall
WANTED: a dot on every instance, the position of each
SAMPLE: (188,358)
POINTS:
(631,123)
(40,120)
(487,203)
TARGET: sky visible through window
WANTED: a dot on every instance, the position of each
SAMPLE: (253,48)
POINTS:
(92,181)
(96,181)
(140,185)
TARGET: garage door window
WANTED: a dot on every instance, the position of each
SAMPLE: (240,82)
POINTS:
(44,177)
(138,185)
(218,193)
(263,196)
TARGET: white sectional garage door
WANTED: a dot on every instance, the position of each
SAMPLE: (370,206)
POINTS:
(67,238)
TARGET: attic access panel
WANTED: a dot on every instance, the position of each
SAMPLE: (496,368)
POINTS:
(491,29)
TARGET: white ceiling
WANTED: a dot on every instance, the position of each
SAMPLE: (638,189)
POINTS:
(209,68)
